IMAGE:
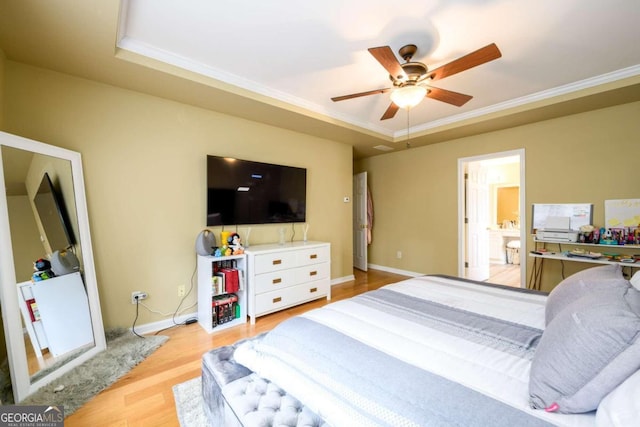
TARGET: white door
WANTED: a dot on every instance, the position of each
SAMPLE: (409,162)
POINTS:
(360,221)
(477,202)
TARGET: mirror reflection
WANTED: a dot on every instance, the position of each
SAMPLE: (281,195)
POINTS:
(508,207)
(47,258)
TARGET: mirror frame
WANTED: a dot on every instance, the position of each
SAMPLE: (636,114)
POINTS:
(14,336)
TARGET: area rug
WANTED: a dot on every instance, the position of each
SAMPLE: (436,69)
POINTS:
(124,351)
(189,405)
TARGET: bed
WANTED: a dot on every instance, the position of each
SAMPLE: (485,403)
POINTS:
(441,351)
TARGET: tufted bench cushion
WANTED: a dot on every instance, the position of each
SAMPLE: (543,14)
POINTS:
(235,396)
(259,402)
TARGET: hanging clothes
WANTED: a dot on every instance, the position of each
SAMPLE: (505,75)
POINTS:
(369,216)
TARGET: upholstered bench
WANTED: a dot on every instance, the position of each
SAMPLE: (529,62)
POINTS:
(235,396)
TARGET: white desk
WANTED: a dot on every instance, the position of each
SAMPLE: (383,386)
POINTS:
(560,256)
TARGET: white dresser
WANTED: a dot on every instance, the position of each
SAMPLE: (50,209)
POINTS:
(281,276)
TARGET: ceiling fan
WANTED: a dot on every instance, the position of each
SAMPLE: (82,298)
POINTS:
(410,79)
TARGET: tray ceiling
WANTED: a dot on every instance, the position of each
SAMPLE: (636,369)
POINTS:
(305,53)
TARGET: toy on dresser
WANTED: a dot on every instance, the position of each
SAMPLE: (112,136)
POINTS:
(43,270)
(231,245)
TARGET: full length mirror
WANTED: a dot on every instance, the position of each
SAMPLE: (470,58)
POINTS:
(50,304)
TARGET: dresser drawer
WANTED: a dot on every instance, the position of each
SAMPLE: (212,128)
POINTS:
(312,272)
(265,263)
(293,295)
(311,290)
(315,255)
(275,300)
(275,280)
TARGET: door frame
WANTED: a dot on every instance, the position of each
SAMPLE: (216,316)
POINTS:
(462,241)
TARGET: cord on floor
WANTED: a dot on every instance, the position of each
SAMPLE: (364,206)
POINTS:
(133,327)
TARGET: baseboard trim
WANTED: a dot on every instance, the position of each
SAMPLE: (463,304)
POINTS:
(164,324)
(342,279)
(394,270)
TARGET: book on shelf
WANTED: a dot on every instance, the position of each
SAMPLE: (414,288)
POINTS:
(219,265)
(241,278)
(231,280)
(223,299)
(225,309)
(222,282)
(226,281)
(217,285)
(34,314)
(225,277)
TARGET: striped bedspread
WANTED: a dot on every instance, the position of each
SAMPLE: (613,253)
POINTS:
(429,351)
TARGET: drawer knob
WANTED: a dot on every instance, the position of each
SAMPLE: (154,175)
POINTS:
(313,256)
(276,281)
(313,273)
(278,299)
(277,262)
(312,290)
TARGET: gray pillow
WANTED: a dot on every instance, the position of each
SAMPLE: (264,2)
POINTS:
(579,284)
(586,351)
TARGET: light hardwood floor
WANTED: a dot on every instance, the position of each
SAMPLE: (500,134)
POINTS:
(505,274)
(144,396)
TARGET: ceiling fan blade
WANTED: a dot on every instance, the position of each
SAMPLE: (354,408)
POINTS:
(473,59)
(357,95)
(384,55)
(391,112)
(450,97)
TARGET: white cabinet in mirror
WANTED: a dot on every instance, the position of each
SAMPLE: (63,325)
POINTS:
(43,211)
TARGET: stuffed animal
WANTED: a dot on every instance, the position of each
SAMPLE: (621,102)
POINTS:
(235,244)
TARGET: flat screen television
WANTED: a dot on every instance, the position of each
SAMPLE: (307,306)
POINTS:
(53,216)
(247,192)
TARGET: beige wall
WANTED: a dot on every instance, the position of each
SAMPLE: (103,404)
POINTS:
(144,164)
(584,158)
(2,85)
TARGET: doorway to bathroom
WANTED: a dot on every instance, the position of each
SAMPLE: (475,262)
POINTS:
(491,205)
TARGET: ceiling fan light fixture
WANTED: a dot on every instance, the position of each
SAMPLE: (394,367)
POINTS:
(408,96)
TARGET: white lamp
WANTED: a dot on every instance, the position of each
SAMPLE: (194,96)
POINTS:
(408,96)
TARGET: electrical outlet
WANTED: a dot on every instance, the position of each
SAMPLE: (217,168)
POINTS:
(140,296)
(181,290)
(399,254)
